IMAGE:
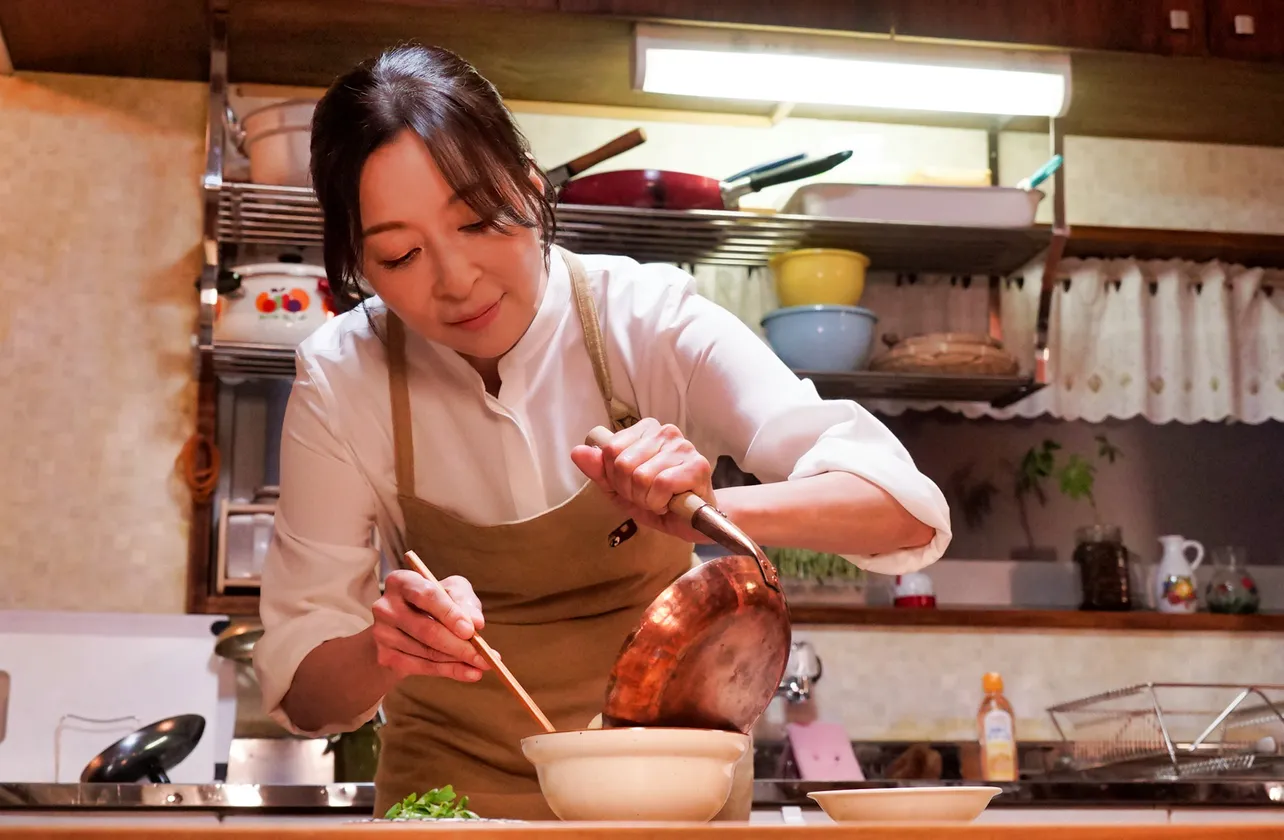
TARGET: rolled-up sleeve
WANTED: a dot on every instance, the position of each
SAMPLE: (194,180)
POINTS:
(320,576)
(741,400)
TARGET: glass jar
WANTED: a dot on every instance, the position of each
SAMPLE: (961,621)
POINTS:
(1231,589)
(1103,568)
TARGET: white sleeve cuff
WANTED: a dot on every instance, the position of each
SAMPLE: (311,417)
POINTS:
(895,473)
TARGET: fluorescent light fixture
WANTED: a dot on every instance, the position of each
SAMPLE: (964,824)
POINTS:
(855,72)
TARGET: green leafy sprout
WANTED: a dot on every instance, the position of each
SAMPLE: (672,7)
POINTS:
(436,804)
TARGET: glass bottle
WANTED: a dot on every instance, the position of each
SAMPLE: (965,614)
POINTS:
(1231,589)
(1103,568)
(996,728)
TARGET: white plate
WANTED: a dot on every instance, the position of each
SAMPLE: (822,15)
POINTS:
(907,804)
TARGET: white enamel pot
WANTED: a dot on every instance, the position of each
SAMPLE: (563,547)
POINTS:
(276,303)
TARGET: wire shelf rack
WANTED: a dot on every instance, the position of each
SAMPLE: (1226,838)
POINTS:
(266,215)
(257,214)
(1173,730)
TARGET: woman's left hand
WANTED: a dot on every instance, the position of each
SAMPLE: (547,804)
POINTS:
(642,468)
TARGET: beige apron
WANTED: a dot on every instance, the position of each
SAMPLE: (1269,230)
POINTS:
(559,599)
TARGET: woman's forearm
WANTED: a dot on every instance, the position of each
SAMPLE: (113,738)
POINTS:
(835,512)
(338,680)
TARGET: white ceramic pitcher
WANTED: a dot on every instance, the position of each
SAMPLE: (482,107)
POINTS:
(1174,586)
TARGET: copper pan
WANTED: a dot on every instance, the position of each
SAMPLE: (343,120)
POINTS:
(711,649)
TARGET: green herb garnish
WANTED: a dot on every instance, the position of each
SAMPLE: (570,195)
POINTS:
(436,804)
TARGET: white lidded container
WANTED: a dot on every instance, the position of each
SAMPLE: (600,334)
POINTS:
(1007,207)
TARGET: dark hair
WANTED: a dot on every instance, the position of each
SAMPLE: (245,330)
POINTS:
(462,120)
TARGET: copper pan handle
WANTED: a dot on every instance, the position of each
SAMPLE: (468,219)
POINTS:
(706,519)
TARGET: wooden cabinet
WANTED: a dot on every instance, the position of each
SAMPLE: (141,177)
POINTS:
(1248,30)
(521,5)
(845,15)
(1166,27)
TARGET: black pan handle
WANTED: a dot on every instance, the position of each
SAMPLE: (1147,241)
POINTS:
(763,167)
(796,171)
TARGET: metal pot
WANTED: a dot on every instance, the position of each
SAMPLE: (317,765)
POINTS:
(273,303)
(277,139)
(237,641)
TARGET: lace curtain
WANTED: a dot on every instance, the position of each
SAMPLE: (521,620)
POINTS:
(1166,340)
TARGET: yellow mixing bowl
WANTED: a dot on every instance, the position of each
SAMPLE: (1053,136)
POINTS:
(819,275)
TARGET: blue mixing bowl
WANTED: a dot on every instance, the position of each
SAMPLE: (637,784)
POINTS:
(822,337)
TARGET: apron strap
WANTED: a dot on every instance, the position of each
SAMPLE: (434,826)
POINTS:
(403,442)
(622,416)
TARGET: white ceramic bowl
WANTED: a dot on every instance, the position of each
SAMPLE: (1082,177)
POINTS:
(908,804)
(669,775)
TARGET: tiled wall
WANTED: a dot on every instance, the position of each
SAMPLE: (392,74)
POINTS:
(99,229)
(912,685)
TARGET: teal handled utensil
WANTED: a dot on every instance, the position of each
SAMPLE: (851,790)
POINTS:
(1042,174)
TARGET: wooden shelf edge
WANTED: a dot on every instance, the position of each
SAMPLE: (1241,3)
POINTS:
(1016,619)
(1257,250)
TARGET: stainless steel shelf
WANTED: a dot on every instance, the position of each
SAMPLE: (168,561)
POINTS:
(234,360)
(265,215)
(264,360)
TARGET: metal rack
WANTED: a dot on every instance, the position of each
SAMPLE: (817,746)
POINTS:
(253,214)
(1169,731)
(264,215)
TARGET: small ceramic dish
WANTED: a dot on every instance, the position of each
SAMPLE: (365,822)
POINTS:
(907,804)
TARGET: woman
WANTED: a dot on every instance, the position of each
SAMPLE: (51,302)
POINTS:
(449,413)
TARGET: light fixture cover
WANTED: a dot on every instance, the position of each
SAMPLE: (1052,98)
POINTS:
(854,72)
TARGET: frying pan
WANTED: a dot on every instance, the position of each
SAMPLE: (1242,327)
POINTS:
(660,189)
(711,649)
(148,753)
(561,174)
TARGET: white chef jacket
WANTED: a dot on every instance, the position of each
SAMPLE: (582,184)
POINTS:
(674,355)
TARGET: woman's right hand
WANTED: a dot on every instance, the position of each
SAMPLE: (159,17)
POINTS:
(422,627)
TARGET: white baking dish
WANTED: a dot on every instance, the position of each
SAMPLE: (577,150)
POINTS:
(941,205)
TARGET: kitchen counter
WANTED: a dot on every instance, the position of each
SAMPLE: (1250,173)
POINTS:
(636,831)
(358,799)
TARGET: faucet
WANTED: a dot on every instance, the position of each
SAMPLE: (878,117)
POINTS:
(802,672)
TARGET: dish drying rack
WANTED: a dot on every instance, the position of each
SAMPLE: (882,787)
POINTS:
(1171,731)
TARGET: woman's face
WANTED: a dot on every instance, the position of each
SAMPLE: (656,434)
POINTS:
(453,281)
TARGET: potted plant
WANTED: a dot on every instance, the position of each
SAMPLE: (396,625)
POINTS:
(818,577)
(1099,550)
(972,497)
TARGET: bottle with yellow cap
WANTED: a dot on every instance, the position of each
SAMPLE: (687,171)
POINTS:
(996,725)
